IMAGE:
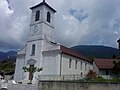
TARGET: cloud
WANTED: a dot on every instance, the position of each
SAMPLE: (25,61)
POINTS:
(94,29)
(76,22)
(80,15)
(5,8)
(12,25)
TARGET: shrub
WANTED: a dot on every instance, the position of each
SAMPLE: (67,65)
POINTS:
(91,75)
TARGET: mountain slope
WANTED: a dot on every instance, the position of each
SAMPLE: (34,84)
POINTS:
(2,55)
(96,51)
(9,54)
(86,50)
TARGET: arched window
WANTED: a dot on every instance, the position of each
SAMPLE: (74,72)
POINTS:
(48,16)
(33,49)
(37,15)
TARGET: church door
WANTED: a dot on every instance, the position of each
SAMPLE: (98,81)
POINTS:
(31,72)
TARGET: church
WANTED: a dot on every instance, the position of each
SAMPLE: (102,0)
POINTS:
(41,50)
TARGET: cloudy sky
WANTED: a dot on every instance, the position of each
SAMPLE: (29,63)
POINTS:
(77,22)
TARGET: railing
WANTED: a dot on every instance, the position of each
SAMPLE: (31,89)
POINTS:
(62,77)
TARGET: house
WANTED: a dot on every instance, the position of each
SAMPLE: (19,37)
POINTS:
(42,51)
(103,67)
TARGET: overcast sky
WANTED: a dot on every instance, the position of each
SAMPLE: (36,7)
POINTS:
(77,22)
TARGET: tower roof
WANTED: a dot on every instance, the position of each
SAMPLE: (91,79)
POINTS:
(41,4)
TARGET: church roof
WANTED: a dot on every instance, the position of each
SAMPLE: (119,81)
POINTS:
(73,53)
(41,4)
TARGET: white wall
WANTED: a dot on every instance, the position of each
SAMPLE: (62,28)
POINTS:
(103,72)
(19,73)
(104,75)
(38,54)
(38,50)
(50,63)
(70,71)
(95,68)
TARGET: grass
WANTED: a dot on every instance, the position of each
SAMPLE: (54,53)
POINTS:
(101,79)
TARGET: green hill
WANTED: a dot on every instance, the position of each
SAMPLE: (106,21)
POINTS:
(94,51)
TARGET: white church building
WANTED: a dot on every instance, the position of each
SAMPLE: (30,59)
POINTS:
(42,50)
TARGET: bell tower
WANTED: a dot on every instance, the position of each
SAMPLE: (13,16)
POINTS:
(42,22)
(41,31)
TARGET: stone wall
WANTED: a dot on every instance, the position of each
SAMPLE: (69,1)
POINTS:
(22,87)
(67,85)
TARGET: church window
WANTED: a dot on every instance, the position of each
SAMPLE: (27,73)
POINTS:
(37,15)
(70,61)
(48,17)
(85,66)
(75,64)
(81,65)
(33,49)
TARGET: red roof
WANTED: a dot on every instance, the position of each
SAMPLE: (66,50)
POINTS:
(104,63)
(73,53)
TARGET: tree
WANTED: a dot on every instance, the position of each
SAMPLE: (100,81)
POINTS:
(6,67)
(116,68)
(31,71)
(91,75)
